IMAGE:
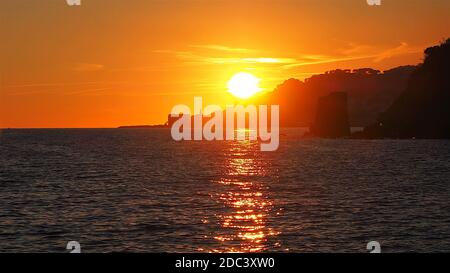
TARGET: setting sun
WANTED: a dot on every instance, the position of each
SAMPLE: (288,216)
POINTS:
(243,85)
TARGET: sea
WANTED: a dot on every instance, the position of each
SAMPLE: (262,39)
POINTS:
(137,190)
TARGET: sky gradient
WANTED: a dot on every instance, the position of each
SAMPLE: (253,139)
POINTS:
(108,63)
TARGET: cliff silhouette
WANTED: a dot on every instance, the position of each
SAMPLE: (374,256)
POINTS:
(370,92)
(423,109)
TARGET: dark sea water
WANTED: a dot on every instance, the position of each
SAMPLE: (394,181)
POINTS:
(136,190)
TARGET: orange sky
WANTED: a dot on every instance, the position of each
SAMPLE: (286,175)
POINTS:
(126,62)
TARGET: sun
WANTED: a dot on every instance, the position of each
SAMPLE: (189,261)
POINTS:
(243,85)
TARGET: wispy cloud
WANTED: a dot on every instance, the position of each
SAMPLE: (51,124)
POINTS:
(54,84)
(223,55)
(356,52)
(87,67)
(323,60)
(193,57)
(380,54)
(88,91)
(223,48)
(402,49)
(260,60)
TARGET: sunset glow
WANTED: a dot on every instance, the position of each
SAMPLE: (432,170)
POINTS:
(186,130)
(244,85)
(143,62)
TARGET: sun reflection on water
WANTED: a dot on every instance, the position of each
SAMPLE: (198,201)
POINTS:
(243,223)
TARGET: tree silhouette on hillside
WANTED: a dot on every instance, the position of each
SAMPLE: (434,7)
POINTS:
(370,92)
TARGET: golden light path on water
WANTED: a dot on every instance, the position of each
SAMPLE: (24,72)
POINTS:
(243,224)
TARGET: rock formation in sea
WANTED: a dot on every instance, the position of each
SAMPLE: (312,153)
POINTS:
(332,117)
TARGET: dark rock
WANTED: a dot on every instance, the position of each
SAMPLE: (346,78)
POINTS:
(332,117)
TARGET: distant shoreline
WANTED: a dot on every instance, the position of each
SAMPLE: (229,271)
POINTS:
(143,126)
(86,128)
(356,134)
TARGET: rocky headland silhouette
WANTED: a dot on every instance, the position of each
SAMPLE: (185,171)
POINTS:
(423,109)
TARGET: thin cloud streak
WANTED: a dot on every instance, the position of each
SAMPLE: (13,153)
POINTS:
(355,52)
(222,48)
(87,67)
